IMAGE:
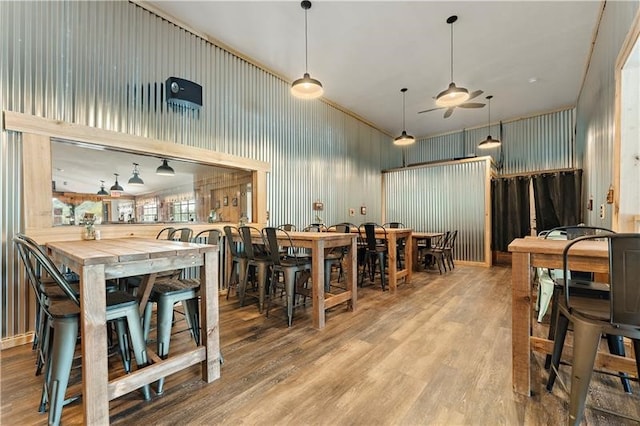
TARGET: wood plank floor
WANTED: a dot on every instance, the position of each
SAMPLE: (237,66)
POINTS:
(438,351)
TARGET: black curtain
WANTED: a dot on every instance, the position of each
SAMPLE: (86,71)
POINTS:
(510,210)
(558,199)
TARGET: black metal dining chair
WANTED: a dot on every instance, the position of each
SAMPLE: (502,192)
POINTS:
(60,333)
(259,260)
(376,251)
(291,266)
(594,317)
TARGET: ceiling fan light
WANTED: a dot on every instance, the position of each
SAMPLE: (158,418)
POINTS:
(404,139)
(453,96)
(489,142)
(307,87)
(165,169)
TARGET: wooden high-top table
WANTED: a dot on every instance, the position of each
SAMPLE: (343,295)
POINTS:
(527,253)
(318,242)
(393,235)
(95,261)
(416,237)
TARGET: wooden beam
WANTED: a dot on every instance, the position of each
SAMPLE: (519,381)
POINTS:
(19,122)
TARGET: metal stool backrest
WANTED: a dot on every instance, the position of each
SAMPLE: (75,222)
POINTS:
(228,233)
(32,253)
(181,234)
(169,230)
(208,236)
(270,236)
(33,277)
(249,246)
(575,231)
(343,228)
(372,240)
(624,275)
(452,240)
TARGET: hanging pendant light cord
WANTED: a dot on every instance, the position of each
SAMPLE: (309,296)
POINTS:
(451,51)
(403,110)
(306,47)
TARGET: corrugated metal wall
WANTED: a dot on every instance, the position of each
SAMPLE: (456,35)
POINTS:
(104,64)
(596,109)
(544,142)
(439,198)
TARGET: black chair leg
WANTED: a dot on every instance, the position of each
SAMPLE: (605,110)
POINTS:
(554,319)
(558,344)
(616,347)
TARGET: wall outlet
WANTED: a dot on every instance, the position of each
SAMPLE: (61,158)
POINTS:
(352,212)
(601,211)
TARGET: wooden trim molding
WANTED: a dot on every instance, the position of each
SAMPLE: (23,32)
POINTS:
(627,46)
(36,164)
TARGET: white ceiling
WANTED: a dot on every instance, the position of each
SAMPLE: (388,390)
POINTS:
(364,52)
(80,168)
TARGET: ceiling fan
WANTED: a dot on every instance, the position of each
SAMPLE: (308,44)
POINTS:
(454,96)
(449,110)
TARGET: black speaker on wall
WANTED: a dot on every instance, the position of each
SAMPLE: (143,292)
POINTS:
(183,92)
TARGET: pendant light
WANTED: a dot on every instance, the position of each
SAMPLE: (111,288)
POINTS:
(306,87)
(135,179)
(453,95)
(404,139)
(165,169)
(116,189)
(489,142)
(102,191)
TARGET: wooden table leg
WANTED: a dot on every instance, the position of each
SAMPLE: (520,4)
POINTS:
(521,322)
(145,290)
(352,274)
(209,317)
(408,257)
(317,271)
(393,265)
(95,374)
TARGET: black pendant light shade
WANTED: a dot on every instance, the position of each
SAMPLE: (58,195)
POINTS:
(165,169)
(135,179)
(116,189)
(489,142)
(306,87)
(102,191)
(453,95)
(404,139)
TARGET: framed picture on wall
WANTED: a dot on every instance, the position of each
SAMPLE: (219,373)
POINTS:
(225,201)
(234,202)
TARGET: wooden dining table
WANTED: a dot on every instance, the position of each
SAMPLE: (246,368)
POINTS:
(319,243)
(96,261)
(528,253)
(416,237)
(393,236)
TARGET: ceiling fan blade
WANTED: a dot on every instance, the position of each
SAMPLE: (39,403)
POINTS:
(475,94)
(429,110)
(448,112)
(471,105)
